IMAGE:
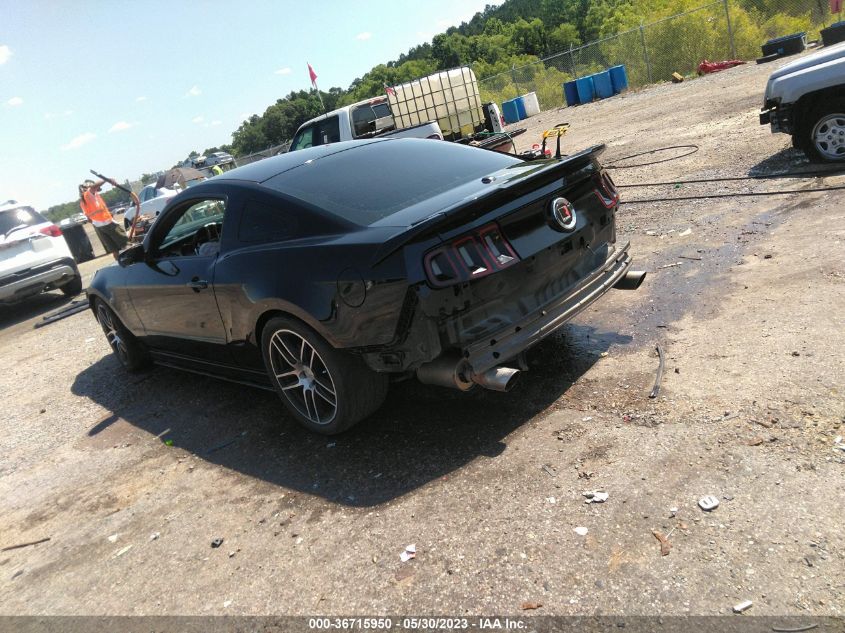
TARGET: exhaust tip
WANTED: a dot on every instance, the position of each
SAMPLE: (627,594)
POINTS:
(631,281)
(498,379)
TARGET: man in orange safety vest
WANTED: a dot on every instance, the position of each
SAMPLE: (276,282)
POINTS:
(111,234)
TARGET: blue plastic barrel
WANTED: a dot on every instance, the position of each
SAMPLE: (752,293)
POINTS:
(619,78)
(509,111)
(570,93)
(520,108)
(585,89)
(602,85)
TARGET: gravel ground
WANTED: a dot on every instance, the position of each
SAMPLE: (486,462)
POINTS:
(748,306)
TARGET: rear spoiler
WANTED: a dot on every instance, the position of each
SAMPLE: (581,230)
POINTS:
(546,171)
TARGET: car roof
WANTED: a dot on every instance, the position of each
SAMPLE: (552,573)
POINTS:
(267,168)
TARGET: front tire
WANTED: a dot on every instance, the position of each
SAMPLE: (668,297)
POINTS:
(823,134)
(123,343)
(327,390)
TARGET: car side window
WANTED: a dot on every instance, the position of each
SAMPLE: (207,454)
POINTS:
(263,222)
(194,230)
(328,131)
(305,138)
(363,120)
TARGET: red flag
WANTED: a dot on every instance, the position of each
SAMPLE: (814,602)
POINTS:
(391,91)
(313,76)
(835,6)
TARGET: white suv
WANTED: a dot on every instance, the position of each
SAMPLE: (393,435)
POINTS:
(34,256)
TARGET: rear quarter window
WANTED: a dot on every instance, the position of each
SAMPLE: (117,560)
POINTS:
(264,222)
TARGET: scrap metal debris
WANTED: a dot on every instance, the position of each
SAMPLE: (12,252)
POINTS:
(122,551)
(665,545)
(409,553)
(217,542)
(74,307)
(708,503)
(660,365)
(745,605)
(20,545)
(670,265)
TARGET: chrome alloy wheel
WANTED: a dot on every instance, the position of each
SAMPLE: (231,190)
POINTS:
(829,136)
(303,376)
(104,316)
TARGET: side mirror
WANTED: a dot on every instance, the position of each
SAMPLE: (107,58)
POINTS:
(132,255)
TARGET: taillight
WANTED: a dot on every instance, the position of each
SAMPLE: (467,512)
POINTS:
(478,254)
(605,190)
(52,231)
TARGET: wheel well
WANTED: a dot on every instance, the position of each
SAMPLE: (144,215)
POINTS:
(271,314)
(809,101)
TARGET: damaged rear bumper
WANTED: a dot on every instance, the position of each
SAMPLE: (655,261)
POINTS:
(490,352)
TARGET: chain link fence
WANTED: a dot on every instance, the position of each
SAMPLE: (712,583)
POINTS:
(652,52)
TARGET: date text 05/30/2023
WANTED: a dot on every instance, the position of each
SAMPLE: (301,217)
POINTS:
(417,623)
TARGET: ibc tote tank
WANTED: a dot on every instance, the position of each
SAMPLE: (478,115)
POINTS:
(450,97)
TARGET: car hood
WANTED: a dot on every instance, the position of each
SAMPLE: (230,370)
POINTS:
(828,53)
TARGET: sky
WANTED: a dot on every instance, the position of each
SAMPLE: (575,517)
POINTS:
(130,88)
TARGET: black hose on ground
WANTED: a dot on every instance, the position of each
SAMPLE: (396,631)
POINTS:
(693,148)
(735,195)
(838,171)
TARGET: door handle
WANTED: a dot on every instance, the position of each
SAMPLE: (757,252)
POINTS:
(196,284)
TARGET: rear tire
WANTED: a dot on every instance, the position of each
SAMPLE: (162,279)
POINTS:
(123,343)
(73,287)
(325,389)
(822,133)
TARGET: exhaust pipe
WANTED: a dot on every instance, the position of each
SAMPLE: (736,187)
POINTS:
(497,379)
(631,280)
(446,371)
(455,372)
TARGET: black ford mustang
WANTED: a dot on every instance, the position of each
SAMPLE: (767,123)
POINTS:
(322,272)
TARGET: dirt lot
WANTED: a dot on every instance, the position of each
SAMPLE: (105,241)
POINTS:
(488,486)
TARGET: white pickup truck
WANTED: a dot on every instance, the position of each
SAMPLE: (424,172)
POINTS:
(806,98)
(365,119)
